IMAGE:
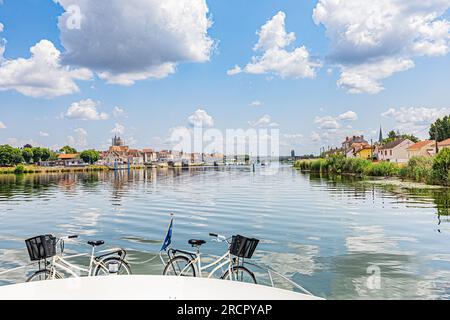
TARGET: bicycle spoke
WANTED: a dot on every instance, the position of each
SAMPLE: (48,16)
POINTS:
(179,266)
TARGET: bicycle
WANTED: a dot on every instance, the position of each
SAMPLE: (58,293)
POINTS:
(42,248)
(187,263)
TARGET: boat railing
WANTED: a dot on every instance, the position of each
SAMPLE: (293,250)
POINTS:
(271,273)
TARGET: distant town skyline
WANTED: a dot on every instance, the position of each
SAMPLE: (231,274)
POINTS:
(316,70)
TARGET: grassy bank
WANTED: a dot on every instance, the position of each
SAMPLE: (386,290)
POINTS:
(21,169)
(434,171)
(341,165)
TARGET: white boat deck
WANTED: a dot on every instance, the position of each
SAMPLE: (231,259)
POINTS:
(145,288)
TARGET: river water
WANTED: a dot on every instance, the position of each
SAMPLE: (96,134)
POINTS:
(340,238)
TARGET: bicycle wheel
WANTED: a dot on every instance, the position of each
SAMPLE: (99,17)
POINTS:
(42,275)
(112,266)
(241,274)
(180,266)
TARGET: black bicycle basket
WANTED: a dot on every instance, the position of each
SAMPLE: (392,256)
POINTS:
(243,247)
(41,247)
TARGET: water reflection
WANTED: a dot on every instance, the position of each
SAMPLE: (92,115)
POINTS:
(351,187)
(323,232)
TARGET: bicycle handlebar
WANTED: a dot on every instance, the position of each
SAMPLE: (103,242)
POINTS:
(219,238)
(69,237)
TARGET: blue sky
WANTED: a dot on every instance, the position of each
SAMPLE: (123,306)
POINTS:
(373,78)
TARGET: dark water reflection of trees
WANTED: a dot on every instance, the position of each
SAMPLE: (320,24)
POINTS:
(35,185)
(38,184)
(440,197)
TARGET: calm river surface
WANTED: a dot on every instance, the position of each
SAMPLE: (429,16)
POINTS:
(323,233)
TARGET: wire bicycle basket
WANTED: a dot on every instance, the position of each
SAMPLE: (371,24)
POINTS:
(41,247)
(243,247)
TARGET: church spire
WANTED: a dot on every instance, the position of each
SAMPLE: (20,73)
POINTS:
(380,139)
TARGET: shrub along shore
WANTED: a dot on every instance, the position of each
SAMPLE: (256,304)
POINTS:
(433,171)
(20,169)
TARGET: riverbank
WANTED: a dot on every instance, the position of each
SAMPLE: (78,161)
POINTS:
(424,170)
(28,169)
(342,165)
(22,169)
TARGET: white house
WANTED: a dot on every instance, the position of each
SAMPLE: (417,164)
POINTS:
(396,151)
(213,158)
(149,155)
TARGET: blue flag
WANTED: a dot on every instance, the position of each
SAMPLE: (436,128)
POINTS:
(168,239)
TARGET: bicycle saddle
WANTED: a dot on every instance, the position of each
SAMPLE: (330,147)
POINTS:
(96,243)
(196,243)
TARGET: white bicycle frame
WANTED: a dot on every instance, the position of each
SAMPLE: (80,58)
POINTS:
(219,262)
(59,262)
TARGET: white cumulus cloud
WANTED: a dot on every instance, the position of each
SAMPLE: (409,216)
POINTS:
(275,56)
(315,136)
(416,120)
(235,70)
(41,75)
(118,129)
(180,138)
(201,118)
(2,49)
(78,139)
(44,134)
(264,121)
(294,136)
(85,110)
(119,112)
(366,77)
(372,40)
(255,103)
(2,42)
(331,129)
(327,123)
(2,125)
(348,116)
(416,115)
(126,41)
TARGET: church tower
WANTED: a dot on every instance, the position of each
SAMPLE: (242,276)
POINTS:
(117,141)
(380,138)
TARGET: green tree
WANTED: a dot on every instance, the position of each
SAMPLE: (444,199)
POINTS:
(53,156)
(411,137)
(440,130)
(10,156)
(90,156)
(441,167)
(392,136)
(27,154)
(37,154)
(19,169)
(46,153)
(68,150)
